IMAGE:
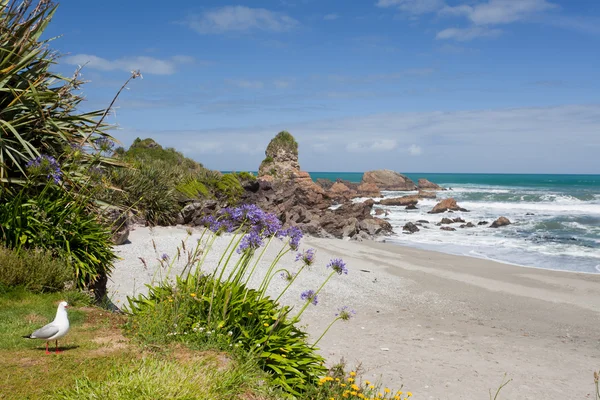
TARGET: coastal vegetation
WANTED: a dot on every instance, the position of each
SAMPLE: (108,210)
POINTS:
(58,173)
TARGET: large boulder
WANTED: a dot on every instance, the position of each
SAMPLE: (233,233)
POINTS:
(448,204)
(340,191)
(409,227)
(386,179)
(368,190)
(400,201)
(502,221)
(118,221)
(427,185)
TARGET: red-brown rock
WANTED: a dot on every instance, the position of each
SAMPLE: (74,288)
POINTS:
(448,204)
(386,179)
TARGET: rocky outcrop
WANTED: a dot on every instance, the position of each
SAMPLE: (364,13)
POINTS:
(447,228)
(448,204)
(368,190)
(295,199)
(118,221)
(400,201)
(386,179)
(409,227)
(502,221)
(468,225)
(340,192)
(446,221)
(281,159)
(427,185)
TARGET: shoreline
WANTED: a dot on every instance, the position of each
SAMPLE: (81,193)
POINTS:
(389,240)
(445,326)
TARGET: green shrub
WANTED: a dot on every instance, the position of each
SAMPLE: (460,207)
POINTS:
(218,307)
(283,140)
(229,188)
(192,189)
(35,270)
(61,223)
(149,189)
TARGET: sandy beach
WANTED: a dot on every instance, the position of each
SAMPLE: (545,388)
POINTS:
(444,326)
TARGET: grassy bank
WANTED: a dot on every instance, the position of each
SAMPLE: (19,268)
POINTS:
(99,361)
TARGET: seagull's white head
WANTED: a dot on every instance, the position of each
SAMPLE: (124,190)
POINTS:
(63,304)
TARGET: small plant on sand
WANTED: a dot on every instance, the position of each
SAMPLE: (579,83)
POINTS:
(339,385)
(216,304)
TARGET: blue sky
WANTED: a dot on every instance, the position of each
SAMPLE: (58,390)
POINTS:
(410,85)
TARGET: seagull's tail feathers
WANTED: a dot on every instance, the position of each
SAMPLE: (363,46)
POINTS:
(28,336)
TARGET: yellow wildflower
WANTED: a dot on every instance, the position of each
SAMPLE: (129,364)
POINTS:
(193,294)
(409,394)
(350,380)
(367,382)
(353,393)
(386,390)
(265,324)
(353,374)
(355,387)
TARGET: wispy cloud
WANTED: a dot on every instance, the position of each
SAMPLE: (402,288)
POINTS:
(374,145)
(331,17)
(499,11)
(414,7)
(245,83)
(240,19)
(588,25)
(466,34)
(521,139)
(148,65)
(415,150)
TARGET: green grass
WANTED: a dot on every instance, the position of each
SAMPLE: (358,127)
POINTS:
(98,361)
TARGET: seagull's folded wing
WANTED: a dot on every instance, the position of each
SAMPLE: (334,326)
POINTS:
(45,332)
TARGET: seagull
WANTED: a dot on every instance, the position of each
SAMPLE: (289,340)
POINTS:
(55,329)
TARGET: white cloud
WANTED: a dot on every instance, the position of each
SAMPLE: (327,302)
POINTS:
(372,146)
(414,6)
(415,150)
(147,65)
(466,34)
(245,84)
(240,19)
(526,140)
(282,83)
(331,17)
(505,11)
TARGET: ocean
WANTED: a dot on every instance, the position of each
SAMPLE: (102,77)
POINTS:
(555,218)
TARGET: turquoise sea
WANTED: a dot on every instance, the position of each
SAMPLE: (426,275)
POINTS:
(556,218)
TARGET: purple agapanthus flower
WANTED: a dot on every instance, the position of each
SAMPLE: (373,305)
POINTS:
(164,257)
(338,265)
(345,313)
(46,165)
(307,257)
(310,296)
(105,144)
(295,235)
(250,241)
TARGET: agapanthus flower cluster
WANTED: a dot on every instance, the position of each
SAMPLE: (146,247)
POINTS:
(46,165)
(307,257)
(250,241)
(310,296)
(258,225)
(105,144)
(345,313)
(338,265)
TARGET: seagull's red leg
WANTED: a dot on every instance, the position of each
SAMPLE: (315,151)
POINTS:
(57,351)
(47,352)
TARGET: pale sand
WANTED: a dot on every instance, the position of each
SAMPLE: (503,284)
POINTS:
(447,327)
